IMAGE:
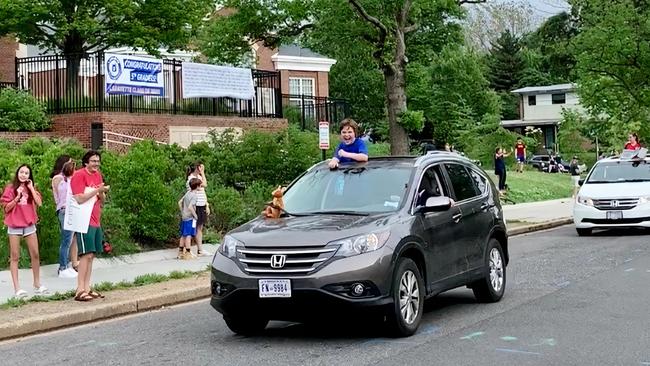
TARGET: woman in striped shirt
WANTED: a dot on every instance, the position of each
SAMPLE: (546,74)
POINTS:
(197,170)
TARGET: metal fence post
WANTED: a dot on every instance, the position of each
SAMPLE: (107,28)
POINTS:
(302,107)
(57,85)
(99,84)
(174,82)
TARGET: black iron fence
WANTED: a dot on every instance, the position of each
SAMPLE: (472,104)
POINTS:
(7,84)
(76,84)
(306,111)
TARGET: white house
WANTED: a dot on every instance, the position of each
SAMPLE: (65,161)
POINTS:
(541,107)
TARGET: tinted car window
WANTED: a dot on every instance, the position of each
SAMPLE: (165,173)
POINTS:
(431,185)
(479,181)
(364,189)
(461,182)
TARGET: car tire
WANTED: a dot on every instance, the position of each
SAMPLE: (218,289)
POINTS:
(583,232)
(493,285)
(245,325)
(408,289)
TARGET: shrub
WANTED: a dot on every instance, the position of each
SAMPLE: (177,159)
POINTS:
(20,111)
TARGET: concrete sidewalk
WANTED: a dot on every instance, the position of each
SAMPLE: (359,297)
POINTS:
(522,218)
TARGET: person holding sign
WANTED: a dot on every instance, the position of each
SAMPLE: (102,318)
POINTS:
(19,201)
(351,147)
(87,184)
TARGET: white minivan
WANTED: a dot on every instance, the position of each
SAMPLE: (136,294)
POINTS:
(616,193)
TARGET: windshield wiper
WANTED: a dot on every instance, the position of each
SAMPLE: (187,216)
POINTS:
(601,181)
(287,213)
(351,213)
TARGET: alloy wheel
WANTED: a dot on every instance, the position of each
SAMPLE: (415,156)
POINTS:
(409,297)
(496,270)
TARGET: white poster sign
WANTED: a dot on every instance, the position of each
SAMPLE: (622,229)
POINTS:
(324,135)
(211,81)
(77,216)
(133,75)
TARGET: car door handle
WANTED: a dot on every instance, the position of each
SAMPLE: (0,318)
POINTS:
(457,217)
(485,206)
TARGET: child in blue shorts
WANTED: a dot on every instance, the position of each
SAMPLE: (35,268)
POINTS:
(187,205)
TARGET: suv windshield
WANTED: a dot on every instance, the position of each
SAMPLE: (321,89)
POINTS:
(357,190)
(619,172)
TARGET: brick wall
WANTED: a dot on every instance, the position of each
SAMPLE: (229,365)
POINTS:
(8,47)
(264,54)
(20,137)
(150,126)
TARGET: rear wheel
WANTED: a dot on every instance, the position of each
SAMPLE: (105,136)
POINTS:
(583,232)
(492,287)
(245,325)
(408,299)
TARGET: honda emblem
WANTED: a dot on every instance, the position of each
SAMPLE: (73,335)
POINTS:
(278,260)
(614,203)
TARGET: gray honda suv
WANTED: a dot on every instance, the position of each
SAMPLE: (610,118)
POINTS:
(367,238)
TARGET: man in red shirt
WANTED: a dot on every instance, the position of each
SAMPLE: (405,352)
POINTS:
(86,184)
(520,154)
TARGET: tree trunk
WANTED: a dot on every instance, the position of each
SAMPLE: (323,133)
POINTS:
(73,52)
(395,76)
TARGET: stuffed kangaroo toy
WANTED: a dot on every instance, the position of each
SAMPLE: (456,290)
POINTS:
(274,208)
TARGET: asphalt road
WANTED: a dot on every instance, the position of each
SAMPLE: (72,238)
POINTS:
(569,301)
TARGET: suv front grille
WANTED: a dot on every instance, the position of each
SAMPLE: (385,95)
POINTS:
(616,204)
(292,260)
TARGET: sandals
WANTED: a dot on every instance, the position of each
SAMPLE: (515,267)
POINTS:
(95,295)
(83,296)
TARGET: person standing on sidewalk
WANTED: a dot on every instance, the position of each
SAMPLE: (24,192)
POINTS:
(574,169)
(500,168)
(197,171)
(87,183)
(187,205)
(61,175)
(520,153)
(19,201)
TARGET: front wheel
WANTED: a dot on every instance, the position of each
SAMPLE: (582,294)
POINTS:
(245,325)
(492,287)
(408,299)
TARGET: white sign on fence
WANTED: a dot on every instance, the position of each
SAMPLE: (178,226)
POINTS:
(133,75)
(211,81)
(324,135)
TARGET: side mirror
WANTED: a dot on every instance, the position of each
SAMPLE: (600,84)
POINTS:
(436,203)
(581,182)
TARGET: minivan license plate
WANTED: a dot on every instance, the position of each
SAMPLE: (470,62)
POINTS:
(614,215)
(275,288)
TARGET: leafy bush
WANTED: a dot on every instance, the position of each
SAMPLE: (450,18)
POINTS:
(20,111)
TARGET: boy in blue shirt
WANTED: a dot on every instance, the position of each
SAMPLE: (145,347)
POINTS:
(351,148)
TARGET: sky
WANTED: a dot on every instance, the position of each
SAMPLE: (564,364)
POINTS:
(546,8)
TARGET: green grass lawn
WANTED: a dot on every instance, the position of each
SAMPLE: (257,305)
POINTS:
(531,186)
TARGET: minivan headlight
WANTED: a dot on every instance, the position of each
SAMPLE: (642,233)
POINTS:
(361,244)
(229,246)
(585,201)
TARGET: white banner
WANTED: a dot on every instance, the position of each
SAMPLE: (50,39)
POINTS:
(210,81)
(133,75)
(77,216)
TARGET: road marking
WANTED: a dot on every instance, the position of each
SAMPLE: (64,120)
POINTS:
(546,342)
(473,335)
(563,284)
(629,270)
(509,338)
(517,351)
(429,329)
(82,344)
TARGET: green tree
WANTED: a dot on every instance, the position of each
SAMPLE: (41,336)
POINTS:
(75,27)
(454,93)
(394,32)
(506,66)
(613,62)
(552,43)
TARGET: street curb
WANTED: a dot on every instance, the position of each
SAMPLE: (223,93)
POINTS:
(540,226)
(97,311)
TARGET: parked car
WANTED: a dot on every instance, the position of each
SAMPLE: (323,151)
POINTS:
(541,162)
(377,237)
(616,193)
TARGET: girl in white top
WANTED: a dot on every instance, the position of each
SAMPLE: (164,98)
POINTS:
(197,170)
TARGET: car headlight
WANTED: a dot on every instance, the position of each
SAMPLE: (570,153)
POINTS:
(585,201)
(645,199)
(361,244)
(229,246)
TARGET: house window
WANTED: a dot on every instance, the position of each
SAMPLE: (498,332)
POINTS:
(302,90)
(532,99)
(558,98)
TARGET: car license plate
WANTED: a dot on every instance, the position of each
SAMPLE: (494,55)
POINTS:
(275,288)
(614,215)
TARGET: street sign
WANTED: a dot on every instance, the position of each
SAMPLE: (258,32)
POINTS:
(324,135)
